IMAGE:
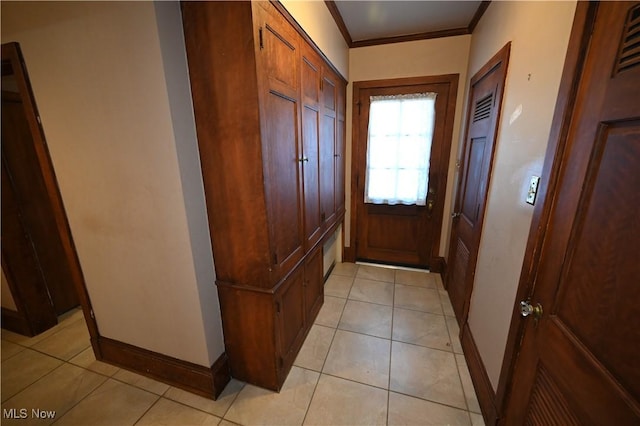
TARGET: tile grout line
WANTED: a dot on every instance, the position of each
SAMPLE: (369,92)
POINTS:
(147,410)
(64,361)
(315,387)
(83,398)
(328,351)
(393,314)
(464,393)
(393,391)
(233,401)
(320,373)
(32,383)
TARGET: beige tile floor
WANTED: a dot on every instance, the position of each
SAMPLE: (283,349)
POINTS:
(383,350)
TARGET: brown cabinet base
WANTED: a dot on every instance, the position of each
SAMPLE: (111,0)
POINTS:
(264,330)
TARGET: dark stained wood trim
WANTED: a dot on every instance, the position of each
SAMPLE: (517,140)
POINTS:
(208,382)
(221,374)
(14,321)
(574,63)
(349,253)
(285,13)
(476,18)
(411,37)
(337,16)
(438,264)
(479,376)
(408,81)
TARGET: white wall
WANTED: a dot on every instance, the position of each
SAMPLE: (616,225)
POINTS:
(120,130)
(539,32)
(169,22)
(410,59)
(317,22)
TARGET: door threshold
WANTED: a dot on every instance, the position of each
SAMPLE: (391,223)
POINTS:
(384,265)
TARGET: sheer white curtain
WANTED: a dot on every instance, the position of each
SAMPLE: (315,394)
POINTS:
(399,148)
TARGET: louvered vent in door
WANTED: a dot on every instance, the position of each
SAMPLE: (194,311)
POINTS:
(548,405)
(629,51)
(483,108)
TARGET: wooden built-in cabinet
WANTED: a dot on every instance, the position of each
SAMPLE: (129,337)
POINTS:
(269,115)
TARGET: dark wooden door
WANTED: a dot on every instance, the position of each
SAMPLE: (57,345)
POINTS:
(278,59)
(473,184)
(30,178)
(402,234)
(311,144)
(35,312)
(578,364)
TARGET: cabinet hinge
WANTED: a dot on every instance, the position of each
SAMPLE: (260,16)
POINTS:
(260,36)
(93,316)
(278,307)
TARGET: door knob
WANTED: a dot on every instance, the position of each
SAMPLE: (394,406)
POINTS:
(430,206)
(455,215)
(526,309)
(431,200)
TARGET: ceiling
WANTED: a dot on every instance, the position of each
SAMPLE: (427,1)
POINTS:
(367,23)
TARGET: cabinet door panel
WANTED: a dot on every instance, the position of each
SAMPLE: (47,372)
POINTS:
(310,85)
(314,286)
(310,167)
(327,161)
(280,154)
(278,59)
(327,148)
(279,43)
(290,313)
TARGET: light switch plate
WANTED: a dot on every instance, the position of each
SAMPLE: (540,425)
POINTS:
(533,190)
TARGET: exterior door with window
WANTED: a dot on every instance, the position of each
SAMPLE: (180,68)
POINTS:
(402,139)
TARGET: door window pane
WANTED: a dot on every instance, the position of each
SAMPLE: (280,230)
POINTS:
(399,148)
